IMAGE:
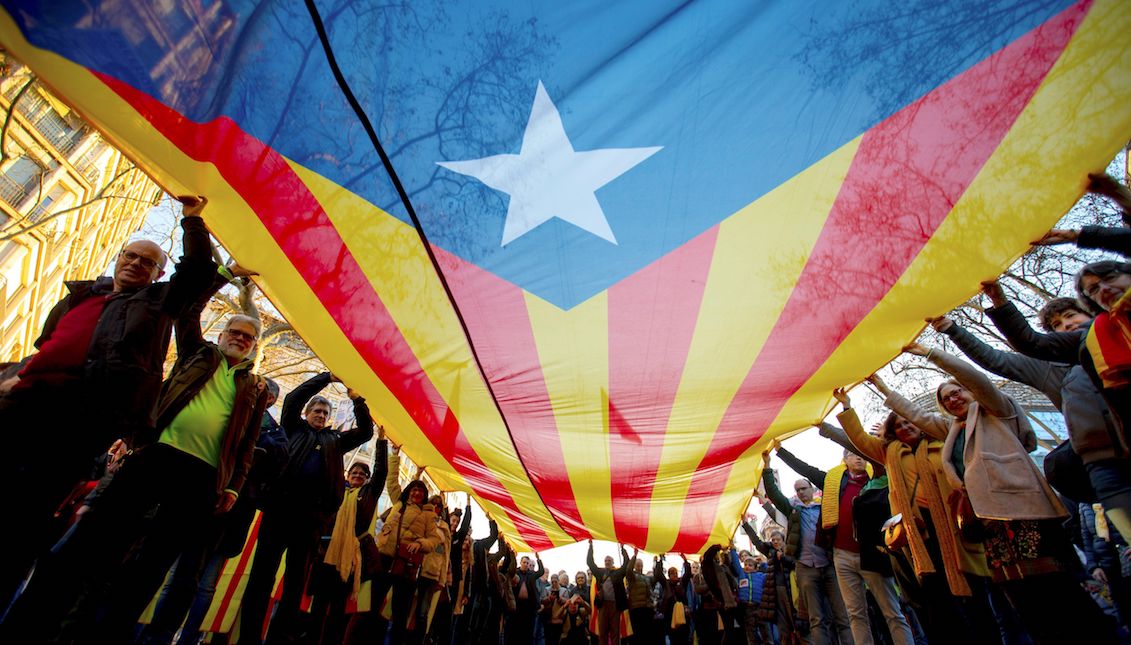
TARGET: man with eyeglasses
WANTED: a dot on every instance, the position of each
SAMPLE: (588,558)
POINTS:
(95,378)
(816,576)
(191,468)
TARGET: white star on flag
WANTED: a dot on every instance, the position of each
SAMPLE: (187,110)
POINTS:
(548,178)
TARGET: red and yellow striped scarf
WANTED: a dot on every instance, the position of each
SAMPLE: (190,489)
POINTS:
(1109,344)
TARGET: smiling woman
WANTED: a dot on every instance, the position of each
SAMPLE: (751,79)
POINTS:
(1001,499)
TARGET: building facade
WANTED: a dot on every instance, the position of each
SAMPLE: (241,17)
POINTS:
(68,203)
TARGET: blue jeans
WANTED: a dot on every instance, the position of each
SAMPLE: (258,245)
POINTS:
(828,617)
(183,594)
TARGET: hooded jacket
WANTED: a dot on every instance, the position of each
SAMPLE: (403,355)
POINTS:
(407,522)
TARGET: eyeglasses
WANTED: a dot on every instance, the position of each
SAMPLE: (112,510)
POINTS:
(1094,288)
(128,256)
(237,334)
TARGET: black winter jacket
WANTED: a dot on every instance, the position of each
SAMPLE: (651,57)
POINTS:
(332,444)
(125,361)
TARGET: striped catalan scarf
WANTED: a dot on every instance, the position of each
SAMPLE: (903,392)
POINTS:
(1109,344)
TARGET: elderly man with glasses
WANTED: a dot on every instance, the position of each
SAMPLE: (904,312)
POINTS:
(94,379)
(191,468)
(816,575)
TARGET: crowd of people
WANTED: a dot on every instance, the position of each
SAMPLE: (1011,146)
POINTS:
(937,527)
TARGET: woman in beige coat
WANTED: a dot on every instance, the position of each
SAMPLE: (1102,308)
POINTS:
(953,594)
(986,461)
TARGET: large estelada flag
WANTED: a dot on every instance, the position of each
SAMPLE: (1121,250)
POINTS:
(651,233)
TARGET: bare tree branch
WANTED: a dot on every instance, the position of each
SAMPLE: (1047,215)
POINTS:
(8,117)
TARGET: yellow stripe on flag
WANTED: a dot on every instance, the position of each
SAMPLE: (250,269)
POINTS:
(567,340)
(390,254)
(1039,167)
(734,322)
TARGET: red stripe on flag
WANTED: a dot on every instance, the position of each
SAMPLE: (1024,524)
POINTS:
(647,354)
(499,324)
(301,228)
(907,175)
(241,566)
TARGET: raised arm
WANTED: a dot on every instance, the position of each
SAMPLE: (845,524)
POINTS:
(189,336)
(465,525)
(630,566)
(815,475)
(393,478)
(772,491)
(541,568)
(870,447)
(297,399)
(1103,184)
(593,568)
(380,460)
(930,423)
(735,565)
(1033,372)
(988,396)
(363,424)
(486,542)
(1059,347)
(1116,240)
(839,437)
(624,558)
(196,269)
(757,541)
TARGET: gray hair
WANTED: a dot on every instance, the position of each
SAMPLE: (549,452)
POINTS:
(316,400)
(251,320)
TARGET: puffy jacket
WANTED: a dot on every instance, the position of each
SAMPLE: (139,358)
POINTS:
(639,587)
(437,561)
(411,522)
(750,585)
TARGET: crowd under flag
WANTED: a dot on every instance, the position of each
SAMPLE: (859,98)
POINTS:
(632,241)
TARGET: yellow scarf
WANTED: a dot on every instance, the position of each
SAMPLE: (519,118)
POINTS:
(903,502)
(830,496)
(344,550)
